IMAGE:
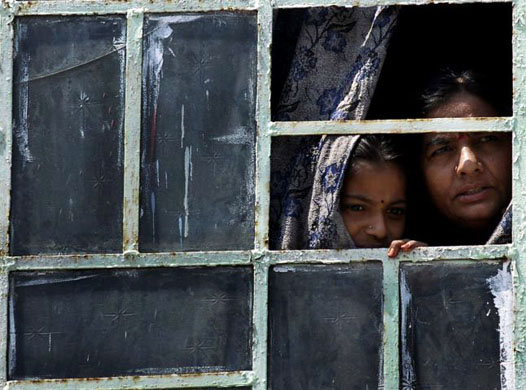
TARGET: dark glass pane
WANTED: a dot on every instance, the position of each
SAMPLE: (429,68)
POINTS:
(120,322)
(451,316)
(325,327)
(198,132)
(67,136)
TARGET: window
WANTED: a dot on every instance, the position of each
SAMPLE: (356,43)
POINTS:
(135,160)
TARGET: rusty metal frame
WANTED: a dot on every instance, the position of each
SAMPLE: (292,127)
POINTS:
(261,258)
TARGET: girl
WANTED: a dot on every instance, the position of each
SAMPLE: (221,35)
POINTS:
(356,197)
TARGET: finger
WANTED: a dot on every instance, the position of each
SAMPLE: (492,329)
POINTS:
(409,245)
(394,248)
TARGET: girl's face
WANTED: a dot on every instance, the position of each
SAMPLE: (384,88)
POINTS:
(373,204)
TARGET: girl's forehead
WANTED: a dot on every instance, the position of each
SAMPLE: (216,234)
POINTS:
(370,167)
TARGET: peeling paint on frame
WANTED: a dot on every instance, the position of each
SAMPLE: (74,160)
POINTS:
(6,77)
(132,131)
(229,379)
(519,191)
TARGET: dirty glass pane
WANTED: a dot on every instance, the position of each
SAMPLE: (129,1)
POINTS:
(456,326)
(198,132)
(67,135)
(129,322)
(325,325)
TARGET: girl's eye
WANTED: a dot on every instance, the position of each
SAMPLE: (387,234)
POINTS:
(353,207)
(396,211)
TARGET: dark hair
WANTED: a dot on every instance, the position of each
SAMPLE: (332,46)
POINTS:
(377,148)
(447,83)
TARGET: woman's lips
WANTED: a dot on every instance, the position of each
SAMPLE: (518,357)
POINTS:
(473,195)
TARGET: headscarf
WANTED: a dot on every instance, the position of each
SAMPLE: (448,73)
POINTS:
(311,212)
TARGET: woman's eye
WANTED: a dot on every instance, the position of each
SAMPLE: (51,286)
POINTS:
(441,150)
(488,138)
(396,211)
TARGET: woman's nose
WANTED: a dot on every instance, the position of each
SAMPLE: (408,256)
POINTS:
(468,161)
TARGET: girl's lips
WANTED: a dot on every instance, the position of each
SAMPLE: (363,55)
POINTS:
(473,195)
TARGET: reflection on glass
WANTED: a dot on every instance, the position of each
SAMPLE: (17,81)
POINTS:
(456,326)
(74,324)
(67,137)
(325,327)
(198,132)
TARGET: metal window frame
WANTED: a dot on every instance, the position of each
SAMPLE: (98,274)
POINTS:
(261,258)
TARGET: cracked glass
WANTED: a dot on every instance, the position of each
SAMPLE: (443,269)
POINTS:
(68,117)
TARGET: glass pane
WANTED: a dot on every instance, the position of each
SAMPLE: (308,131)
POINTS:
(456,326)
(137,322)
(325,325)
(198,132)
(67,136)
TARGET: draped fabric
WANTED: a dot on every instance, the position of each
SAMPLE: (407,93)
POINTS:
(502,233)
(337,62)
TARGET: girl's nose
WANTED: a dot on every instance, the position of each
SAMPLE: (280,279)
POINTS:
(377,228)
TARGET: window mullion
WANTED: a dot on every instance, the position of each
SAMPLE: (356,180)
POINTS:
(392,126)
(262,184)
(61,7)
(260,325)
(4,290)
(6,77)
(391,328)
(6,87)
(132,130)
(262,197)
(519,190)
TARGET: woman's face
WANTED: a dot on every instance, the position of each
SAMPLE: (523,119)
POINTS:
(468,175)
(373,204)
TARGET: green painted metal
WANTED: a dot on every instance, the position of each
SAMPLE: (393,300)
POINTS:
(263,119)
(260,325)
(519,190)
(4,290)
(129,260)
(391,126)
(391,328)
(183,381)
(65,7)
(132,131)
(6,99)
(426,254)
(215,259)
